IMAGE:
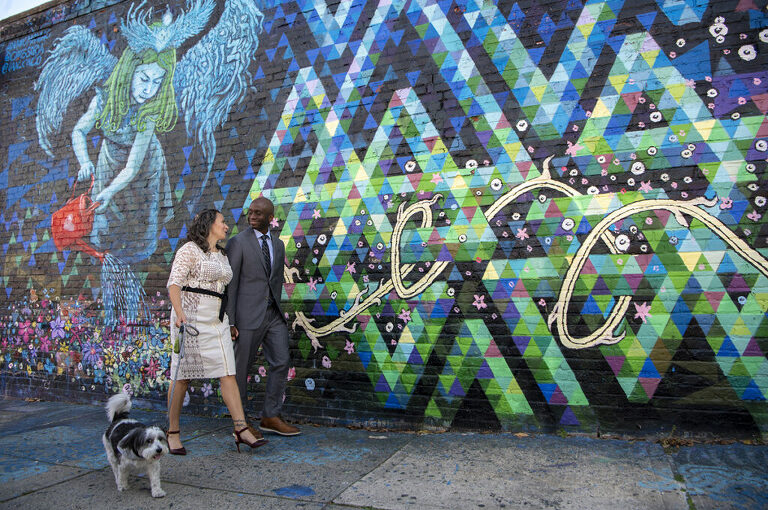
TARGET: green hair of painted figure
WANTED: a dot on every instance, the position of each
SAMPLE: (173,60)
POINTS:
(161,108)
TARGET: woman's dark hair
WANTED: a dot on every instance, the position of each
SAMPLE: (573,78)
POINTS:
(201,227)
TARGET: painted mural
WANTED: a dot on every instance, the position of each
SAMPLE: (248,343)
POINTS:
(496,214)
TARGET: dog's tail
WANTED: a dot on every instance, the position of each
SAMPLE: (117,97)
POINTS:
(118,404)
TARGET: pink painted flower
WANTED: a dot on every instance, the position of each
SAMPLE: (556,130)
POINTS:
(349,347)
(291,374)
(327,362)
(742,100)
(312,283)
(351,268)
(645,186)
(26,330)
(522,233)
(405,315)
(754,216)
(479,302)
(274,223)
(643,311)
(262,371)
(726,203)
(206,390)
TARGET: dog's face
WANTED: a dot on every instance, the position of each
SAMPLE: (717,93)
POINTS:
(147,443)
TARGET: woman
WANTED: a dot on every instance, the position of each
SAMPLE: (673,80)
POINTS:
(137,101)
(199,275)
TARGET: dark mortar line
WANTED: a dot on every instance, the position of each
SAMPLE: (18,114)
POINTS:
(87,472)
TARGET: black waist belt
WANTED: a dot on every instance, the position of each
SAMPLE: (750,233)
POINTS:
(223,297)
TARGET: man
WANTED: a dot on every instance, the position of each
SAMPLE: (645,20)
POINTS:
(254,311)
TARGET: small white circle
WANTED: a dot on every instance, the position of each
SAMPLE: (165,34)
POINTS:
(462,238)
(712,92)
(637,168)
(761,145)
(652,150)
(522,125)
(750,168)
(410,166)
(568,224)
(680,42)
(496,184)
(471,164)
(747,52)
(686,153)
(592,190)
(656,116)
(622,242)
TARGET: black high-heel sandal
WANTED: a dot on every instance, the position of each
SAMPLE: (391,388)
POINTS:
(239,440)
(175,451)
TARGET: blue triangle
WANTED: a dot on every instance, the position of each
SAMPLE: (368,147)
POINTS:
(647,19)
(412,78)
(728,349)
(649,370)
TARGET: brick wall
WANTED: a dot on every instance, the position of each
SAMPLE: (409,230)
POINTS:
(497,215)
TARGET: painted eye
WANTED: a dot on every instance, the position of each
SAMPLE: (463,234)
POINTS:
(410,166)
(334,294)
(542,198)
(592,190)
(692,146)
(478,193)
(633,229)
(471,164)
(656,116)
(322,239)
(522,125)
(379,246)
(719,20)
(601,159)
(673,240)
(720,39)
(630,182)
(462,238)
(680,42)
(573,172)
(451,291)
(389,327)
(643,248)
(764,35)
(752,186)
(761,145)
(760,201)
(622,242)
(638,167)
(298,245)
(687,179)
(516,216)
(496,184)
(750,168)
(568,224)
(747,52)
(686,153)
(652,150)
(665,177)
(712,93)
(735,115)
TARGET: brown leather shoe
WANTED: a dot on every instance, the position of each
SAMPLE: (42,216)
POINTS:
(278,426)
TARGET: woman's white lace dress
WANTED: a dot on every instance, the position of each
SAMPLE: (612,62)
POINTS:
(210,354)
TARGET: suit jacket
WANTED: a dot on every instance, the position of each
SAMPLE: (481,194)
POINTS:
(248,292)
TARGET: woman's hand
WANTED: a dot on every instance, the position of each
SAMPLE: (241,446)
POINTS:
(86,171)
(180,318)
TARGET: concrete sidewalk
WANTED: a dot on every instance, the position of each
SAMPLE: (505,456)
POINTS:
(51,457)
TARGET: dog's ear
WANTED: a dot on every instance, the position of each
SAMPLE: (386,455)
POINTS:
(132,441)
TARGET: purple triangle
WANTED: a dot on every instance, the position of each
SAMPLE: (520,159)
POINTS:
(521,342)
(615,362)
(445,255)
(382,385)
(633,280)
(568,417)
(415,358)
(456,389)
(752,349)
(485,371)
(558,398)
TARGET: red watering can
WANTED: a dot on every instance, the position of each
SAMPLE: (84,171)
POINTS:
(74,221)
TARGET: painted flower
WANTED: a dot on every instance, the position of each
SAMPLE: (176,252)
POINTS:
(522,233)
(349,347)
(326,362)
(206,390)
(91,352)
(57,328)
(292,373)
(405,315)
(152,368)
(26,330)
(726,203)
(479,302)
(262,371)
(643,311)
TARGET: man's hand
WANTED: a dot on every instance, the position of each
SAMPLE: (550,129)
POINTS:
(233,331)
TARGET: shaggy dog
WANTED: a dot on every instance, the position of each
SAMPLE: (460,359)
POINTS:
(133,445)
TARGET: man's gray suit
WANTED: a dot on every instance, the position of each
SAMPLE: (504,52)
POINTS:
(254,309)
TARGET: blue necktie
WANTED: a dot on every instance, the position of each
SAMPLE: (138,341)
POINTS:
(265,251)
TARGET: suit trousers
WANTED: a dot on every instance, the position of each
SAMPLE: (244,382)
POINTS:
(273,335)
